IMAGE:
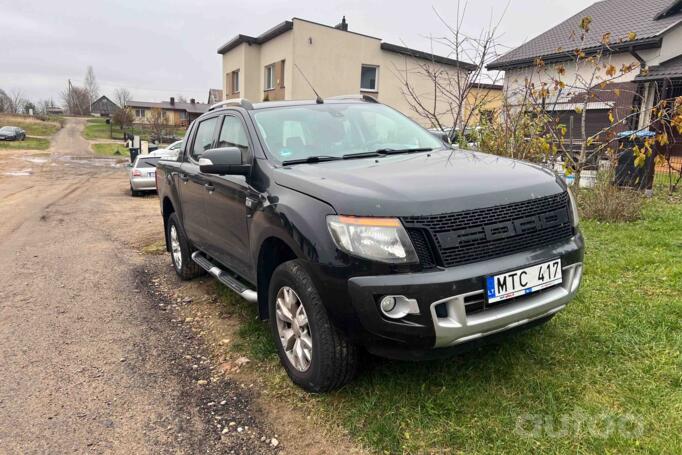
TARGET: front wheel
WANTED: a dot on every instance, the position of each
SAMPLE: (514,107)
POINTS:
(315,355)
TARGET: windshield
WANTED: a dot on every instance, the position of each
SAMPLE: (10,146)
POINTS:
(147,162)
(335,130)
(7,129)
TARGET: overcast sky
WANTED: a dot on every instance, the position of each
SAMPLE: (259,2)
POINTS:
(161,48)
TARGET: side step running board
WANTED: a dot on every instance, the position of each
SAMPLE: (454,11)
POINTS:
(224,277)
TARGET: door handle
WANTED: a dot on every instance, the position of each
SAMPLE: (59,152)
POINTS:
(184,177)
(210,188)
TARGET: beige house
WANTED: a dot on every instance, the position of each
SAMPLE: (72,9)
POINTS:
(176,113)
(335,61)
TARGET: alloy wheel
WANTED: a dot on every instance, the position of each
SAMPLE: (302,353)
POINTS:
(175,247)
(293,328)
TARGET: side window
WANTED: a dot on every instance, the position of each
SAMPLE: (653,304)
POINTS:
(233,134)
(203,139)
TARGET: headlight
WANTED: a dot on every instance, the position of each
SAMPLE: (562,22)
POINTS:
(378,239)
(574,209)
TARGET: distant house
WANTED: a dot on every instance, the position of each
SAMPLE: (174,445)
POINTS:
(55,110)
(487,99)
(176,113)
(334,60)
(103,107)
(215,95)
(644,34)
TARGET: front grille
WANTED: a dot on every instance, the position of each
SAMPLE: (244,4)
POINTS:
(476,235)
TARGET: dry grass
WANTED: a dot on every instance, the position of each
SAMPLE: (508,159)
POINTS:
(609,203)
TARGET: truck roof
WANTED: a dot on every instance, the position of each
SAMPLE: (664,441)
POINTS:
(248,105)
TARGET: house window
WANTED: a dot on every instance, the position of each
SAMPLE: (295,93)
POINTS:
(183,115)
(235,81)
(368,78)
(270,77)
(139,113)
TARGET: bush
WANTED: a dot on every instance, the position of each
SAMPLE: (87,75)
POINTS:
(607,202)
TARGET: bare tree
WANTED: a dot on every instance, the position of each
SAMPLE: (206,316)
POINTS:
(123,118)
(12,102)
(454,101)
(158,123)
(4,101)
(181,99)
(76,100)
(122,97)
(91,86)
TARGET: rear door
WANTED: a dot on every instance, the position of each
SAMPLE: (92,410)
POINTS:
(191,184)
(226,205)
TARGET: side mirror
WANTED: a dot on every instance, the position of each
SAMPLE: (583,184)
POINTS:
(223,161)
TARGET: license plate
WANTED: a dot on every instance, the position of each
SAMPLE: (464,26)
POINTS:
(523,281)
(151,174)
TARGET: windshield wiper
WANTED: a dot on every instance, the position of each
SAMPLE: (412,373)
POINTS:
(385,151)
(311,159)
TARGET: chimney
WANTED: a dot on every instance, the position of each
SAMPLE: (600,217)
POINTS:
(343,25)
(172,101)
(192,100)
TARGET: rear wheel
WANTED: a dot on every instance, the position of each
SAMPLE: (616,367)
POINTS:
(315,355)
(181,251)
(134,192)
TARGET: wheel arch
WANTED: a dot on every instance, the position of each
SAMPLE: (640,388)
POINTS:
(272,252)
(167,210)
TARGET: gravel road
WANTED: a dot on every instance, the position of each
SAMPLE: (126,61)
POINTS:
(89,362)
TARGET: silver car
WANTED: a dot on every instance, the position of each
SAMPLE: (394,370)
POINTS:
(143,174)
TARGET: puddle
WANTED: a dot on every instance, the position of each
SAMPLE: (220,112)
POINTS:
(21,173)
(35,160)
(91,161)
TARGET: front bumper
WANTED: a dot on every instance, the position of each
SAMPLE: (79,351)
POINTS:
(444,296)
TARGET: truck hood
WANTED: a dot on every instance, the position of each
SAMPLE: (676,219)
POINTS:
(419,184)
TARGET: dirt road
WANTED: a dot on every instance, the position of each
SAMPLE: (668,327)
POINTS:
(90,362)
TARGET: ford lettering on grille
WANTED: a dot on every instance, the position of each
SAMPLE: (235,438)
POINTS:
(503,230)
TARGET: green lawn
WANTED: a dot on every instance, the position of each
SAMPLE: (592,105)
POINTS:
(31,143)
(97,128)
(33,126)
(109,149)
(604,376)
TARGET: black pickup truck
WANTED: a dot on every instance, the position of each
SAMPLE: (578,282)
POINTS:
(351,227)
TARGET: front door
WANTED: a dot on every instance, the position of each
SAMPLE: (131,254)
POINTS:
(226,206)
(193,184)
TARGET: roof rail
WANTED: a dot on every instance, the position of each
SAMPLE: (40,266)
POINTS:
(240,102)
(363,97)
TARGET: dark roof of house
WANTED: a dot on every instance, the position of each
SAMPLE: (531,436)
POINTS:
(427,56)
(667,70)
(104,97)
(215,93)
(194,108)
(288,25)
(648,19)
(274,32)
(484,86)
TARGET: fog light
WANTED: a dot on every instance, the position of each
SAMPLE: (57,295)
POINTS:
(398,306)
(387,304)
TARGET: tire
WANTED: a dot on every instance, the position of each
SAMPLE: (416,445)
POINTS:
(333,360)
(134,193)
(184,266)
